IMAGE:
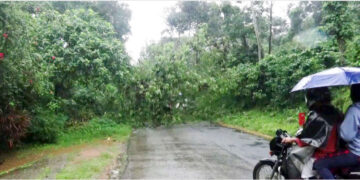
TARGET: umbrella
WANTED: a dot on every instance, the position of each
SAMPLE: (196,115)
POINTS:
(339,76)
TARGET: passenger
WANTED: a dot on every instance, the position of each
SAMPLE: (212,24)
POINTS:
(319,136)
(349,132)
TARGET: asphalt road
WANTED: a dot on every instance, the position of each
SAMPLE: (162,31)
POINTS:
(200,151)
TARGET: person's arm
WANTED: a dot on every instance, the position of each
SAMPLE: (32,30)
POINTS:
(349,127)
(289,140)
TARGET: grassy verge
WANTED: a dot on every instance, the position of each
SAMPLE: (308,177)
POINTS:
(89,133)
(85,133)
(264,121)
(86,169)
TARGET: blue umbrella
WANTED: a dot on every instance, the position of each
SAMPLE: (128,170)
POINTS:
(339,76)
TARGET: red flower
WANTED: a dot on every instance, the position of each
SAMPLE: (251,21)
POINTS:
(1,55)
(5,35)
(30,81)
(53,57)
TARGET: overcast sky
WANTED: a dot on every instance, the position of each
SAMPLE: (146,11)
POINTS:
(148,21)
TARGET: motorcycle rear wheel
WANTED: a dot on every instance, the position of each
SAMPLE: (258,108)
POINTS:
(263,170)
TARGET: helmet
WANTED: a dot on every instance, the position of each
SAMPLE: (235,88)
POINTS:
(355,93)
(317,95)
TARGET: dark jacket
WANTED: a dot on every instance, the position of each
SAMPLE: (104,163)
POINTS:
(319,124)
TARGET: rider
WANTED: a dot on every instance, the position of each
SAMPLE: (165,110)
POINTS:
(349,131)
(320,130)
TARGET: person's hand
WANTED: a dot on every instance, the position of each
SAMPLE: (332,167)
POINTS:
(288,140)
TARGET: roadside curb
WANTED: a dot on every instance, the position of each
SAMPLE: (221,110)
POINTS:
(267,137)
(120,162)
(26,165)
(125,158)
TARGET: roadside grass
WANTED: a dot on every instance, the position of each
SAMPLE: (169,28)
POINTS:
(86,133)
(267,120)
(264,121)
(86,169)
(95,129)
(89,133)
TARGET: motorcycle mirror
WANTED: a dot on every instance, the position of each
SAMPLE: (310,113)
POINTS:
(301,118)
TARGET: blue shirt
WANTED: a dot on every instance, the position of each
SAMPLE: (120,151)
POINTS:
(349,129)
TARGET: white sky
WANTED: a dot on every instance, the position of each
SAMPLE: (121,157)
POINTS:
(148,20)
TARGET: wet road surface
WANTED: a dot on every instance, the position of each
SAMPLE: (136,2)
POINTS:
(199,151)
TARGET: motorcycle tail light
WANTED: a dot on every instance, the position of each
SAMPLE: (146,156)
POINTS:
(271,153)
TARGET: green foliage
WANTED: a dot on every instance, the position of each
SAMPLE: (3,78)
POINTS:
(265,121)
(281,71)
(192,14)
(46,126)
(222,59)
(70,62)
(296,20)
(337,19)
(88,169)
(96,128)
(341,98)
(337,23)
(353,51)
(17,73)
(67,59)
(158,94)
(306,15)
(80,51)
(17,69)
(112,11)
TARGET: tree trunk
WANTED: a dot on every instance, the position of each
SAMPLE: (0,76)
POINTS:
(342,48)
(244,42)
(225,52)
(270,28)
(257,34)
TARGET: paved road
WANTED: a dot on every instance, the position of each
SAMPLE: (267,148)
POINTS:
(200,151)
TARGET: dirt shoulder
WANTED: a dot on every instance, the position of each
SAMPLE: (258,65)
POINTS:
(97,159)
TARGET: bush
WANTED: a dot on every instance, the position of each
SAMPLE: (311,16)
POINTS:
(277,74)
(341,98)
(96,128)
(13,127)
(46,126)
(353,51)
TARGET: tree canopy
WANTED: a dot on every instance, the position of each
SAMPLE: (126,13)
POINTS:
(63,63)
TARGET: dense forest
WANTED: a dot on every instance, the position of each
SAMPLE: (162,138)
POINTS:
(63,64)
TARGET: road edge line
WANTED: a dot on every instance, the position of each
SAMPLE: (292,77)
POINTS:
(267,137)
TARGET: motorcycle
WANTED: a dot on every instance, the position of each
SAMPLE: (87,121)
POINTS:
(278,168)
(272,168)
